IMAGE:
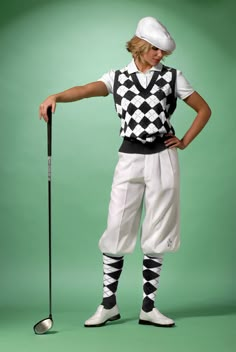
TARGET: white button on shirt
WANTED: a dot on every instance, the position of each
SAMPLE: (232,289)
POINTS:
(183,88)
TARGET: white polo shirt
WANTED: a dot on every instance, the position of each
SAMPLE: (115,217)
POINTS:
(183,89)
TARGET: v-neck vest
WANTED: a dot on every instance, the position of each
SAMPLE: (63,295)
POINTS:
(145,112)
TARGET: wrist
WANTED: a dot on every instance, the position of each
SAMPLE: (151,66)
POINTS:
(55,97)
(184,143)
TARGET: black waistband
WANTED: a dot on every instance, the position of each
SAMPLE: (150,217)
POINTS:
(134,146)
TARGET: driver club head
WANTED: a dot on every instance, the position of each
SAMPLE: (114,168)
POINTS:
(43,326)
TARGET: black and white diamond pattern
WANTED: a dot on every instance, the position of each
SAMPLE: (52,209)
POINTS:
(145,113)
(152,101)
(112,268)
(151,272)
(137,101)
(122,90)
(123,78)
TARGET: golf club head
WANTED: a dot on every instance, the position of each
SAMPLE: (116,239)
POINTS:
(43,326)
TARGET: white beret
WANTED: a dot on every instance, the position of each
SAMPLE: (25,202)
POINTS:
(153,31)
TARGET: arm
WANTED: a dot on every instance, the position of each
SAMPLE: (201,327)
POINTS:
(197,103)
(94,89)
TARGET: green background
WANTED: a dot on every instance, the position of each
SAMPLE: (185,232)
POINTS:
(49,46)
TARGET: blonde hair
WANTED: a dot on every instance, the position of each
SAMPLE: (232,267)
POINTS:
(137,47)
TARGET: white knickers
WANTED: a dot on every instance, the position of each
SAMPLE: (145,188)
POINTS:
(154,180)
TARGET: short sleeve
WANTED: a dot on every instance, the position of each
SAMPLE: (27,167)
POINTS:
(108,79)
(183,87)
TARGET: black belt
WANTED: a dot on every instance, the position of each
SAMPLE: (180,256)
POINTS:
(134,146)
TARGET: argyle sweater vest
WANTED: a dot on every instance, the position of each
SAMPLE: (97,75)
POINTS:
(145,112)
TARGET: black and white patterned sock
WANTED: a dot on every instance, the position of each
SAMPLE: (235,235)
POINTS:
(112,267)
(151,272)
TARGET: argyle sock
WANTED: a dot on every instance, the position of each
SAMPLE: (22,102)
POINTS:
(151,273)
(112,267)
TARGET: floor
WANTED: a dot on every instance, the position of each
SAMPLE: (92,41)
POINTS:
(199,329)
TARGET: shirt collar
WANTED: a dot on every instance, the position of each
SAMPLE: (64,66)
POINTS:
(132,68)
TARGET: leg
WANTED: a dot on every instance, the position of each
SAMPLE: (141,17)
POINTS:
(108,310)
(112,268)
(160,231)
(151,274)
(125,206)
(149,315)
(121,233)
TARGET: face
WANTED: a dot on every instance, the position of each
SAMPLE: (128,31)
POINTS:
(153,56)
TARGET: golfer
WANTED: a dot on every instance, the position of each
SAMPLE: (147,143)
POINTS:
(147,173)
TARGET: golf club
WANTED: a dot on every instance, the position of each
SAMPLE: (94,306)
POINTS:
(46,324)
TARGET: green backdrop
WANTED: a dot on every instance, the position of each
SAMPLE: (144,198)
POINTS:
(49,46)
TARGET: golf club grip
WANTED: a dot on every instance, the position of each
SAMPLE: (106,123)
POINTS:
(49,129)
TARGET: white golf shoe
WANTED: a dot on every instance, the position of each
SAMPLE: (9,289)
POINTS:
(102,316)
(155,318)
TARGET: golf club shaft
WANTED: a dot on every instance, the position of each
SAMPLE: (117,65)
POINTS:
(49,142)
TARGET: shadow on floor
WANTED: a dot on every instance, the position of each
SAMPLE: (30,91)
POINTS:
(203,310)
